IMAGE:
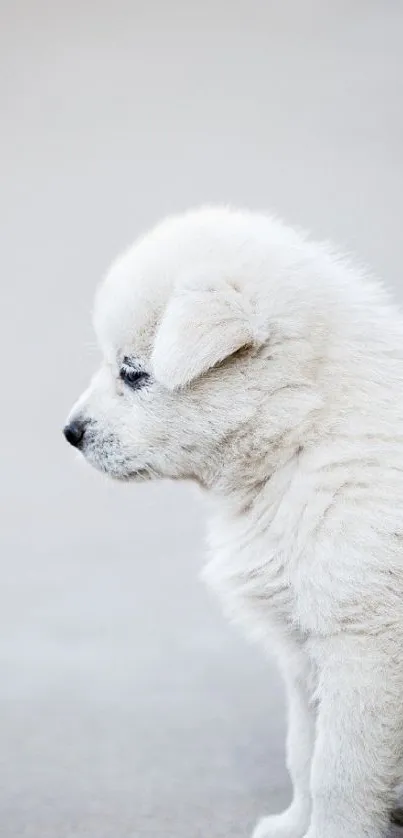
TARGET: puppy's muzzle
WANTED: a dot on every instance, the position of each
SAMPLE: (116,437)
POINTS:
(75,432)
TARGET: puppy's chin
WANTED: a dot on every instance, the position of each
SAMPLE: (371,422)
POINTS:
(118,472)
(138,476)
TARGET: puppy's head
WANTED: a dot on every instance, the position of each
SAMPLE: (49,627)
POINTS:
(183,377)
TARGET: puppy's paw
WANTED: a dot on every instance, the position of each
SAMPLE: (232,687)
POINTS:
(290,824)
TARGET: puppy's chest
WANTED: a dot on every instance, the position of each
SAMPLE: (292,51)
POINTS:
(268,567)
(254,574)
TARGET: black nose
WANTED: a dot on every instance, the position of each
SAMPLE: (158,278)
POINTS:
(74,432)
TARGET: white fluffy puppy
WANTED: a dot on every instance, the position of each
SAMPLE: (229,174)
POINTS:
(243,356)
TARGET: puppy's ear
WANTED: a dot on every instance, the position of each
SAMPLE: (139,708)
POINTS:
(201,326)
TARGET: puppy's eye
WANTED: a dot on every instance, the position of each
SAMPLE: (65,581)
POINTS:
(133,377)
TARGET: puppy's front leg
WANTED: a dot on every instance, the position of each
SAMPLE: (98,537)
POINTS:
(359,738)
(294,822)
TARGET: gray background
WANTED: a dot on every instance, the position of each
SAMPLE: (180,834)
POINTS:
(128,706)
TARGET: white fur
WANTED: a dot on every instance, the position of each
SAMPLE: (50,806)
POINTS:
(277,383)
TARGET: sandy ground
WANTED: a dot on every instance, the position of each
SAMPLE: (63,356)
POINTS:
(128,706)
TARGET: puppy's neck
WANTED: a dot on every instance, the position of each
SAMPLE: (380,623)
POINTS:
(248,463)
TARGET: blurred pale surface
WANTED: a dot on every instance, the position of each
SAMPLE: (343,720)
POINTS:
(128,706)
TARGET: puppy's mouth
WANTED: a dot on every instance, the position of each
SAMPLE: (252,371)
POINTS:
(103,452)
(137,475)
(123,475)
